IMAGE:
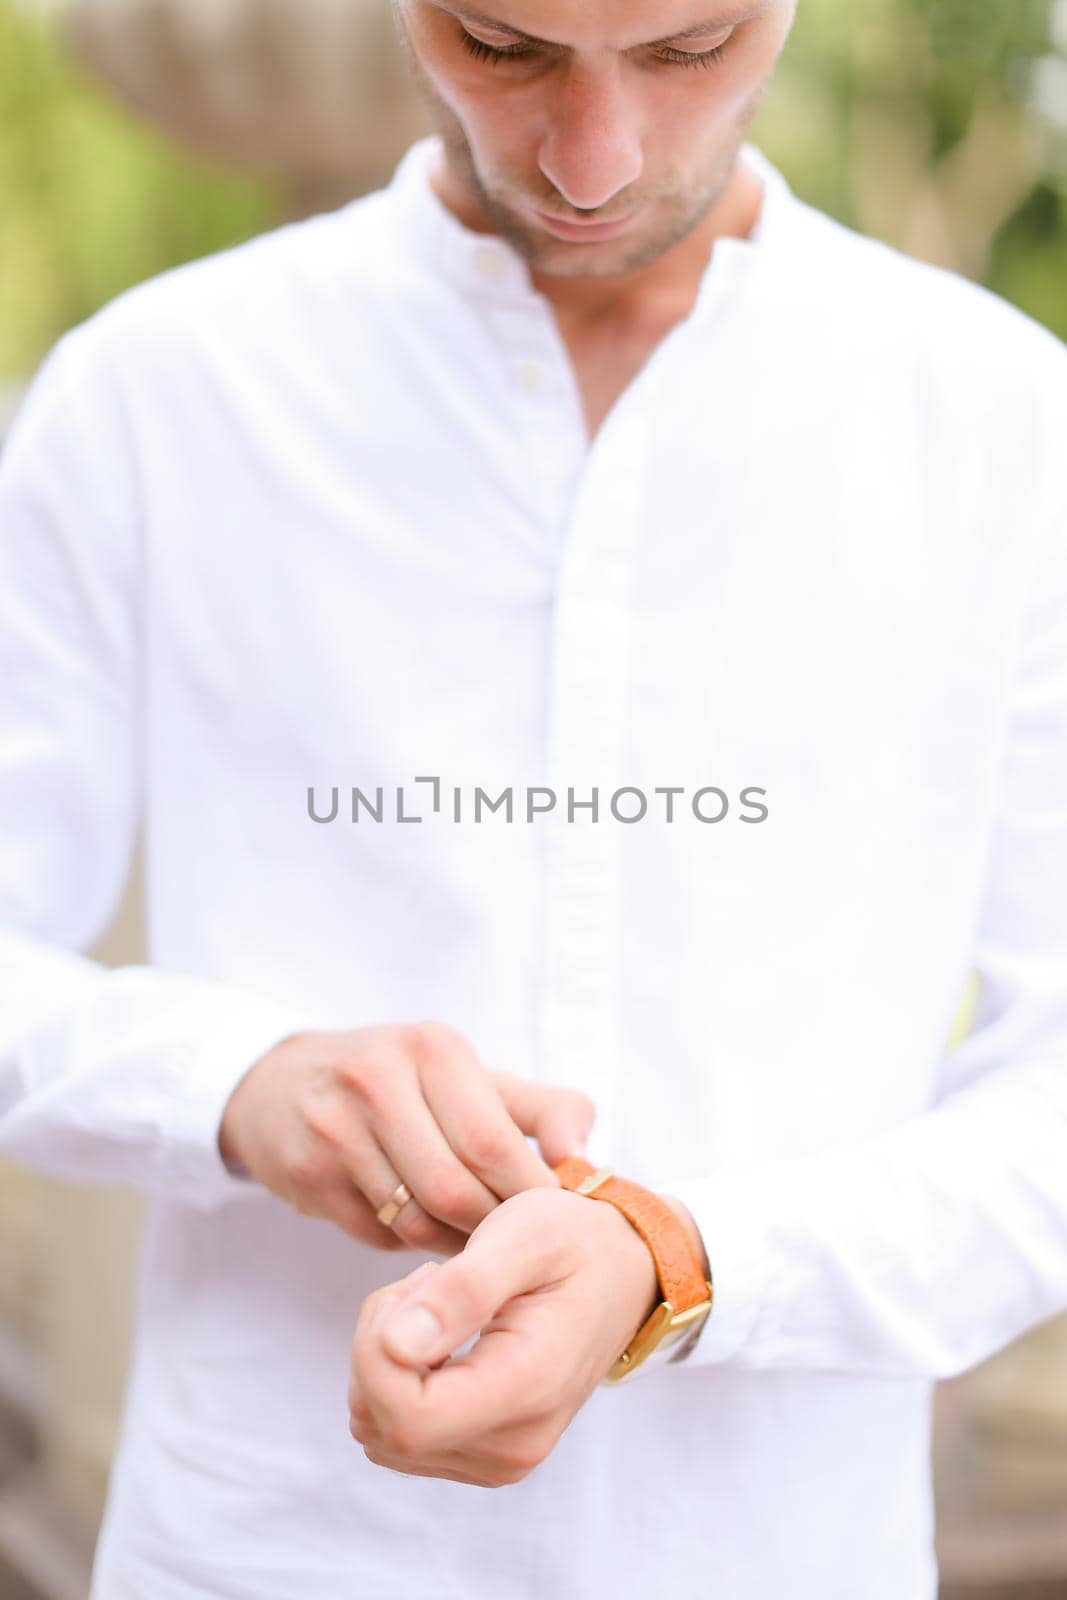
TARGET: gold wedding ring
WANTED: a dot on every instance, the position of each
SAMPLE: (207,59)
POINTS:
(398,1199)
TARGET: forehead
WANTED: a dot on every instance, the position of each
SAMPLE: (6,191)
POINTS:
(606,24)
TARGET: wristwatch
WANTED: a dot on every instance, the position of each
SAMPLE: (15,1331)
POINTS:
(672,1329)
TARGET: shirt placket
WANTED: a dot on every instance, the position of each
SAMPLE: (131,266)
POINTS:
(587,725)
(592,498)
(546,405)
(587,500)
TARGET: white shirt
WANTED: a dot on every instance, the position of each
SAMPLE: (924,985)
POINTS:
(321,512)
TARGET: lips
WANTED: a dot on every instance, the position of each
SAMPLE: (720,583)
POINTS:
(585,232)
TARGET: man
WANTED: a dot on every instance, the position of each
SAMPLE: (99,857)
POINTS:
(587,636)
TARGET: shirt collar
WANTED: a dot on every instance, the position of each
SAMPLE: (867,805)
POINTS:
(487,263)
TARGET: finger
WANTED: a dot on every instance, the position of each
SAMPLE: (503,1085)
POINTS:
(371,1311)
(458,1474)
(390,1295)
(423,1158)
(413,1228)
(342,1204)
(379,1389)
(507,1260)
(559,1118)
(505,1381)
(501,1454)
(473,1117)
(484,1469)
(510,1254)
(376,1176)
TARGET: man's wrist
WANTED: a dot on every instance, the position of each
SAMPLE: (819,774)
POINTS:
(646,1280)
(685,1217)
(650,1276)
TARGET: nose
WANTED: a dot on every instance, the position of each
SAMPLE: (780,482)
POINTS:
(593,147)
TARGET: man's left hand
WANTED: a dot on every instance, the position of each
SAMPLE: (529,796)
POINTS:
(555,1284)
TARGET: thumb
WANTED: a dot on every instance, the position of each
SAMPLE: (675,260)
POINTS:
(504,1257)
(560,1119)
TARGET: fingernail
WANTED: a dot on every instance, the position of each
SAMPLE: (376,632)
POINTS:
(412,1333)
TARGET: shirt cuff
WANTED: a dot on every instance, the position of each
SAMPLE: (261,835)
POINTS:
(729,1215)
(227,1046)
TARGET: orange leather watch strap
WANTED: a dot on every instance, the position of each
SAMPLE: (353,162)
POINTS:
(680,1273)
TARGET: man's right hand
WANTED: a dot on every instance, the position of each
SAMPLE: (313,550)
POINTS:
(333,1122)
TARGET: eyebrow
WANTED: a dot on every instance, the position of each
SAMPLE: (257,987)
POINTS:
(698,30)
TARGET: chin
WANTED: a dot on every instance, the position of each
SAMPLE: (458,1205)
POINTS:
(581,261)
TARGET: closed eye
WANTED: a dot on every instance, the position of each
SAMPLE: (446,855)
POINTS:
(488,52)
(692,58)
(514,52)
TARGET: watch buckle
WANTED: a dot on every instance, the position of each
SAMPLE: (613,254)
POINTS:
(654,1330)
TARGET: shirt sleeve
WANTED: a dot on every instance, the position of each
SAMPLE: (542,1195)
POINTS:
(923,1250)
(111,1076)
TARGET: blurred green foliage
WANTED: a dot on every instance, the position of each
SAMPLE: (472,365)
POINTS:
(91,200)
(913,120)
(907,119)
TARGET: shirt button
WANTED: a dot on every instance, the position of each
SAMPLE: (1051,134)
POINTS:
(531,376)
(489,262)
